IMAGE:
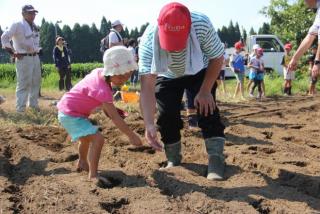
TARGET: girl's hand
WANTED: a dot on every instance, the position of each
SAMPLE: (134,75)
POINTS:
(135,140)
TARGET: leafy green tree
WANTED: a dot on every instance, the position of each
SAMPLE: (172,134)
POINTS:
(47,41)
(252,32)
(104,27)
(265,29)
(81,42)
(237,33)
(125,33)
(67,33)
(244,34)
(94,47)
(134,34)
(143,28)
(290,19)
(224,35)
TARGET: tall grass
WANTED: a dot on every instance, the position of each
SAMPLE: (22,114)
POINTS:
(273,82)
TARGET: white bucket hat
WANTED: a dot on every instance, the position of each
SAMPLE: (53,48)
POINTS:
(255,47)
(116,22)
(118,60)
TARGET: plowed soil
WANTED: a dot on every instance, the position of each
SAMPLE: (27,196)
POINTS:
(272,154)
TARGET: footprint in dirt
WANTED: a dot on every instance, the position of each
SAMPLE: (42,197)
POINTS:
(113,182)
(115,205)
(142,149)
(296,127)
(11,189)
(65,158)
(288,139)
(268,135)
(7,152)
(52,138)
(296,163)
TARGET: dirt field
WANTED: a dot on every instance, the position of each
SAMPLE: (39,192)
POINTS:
(272,150)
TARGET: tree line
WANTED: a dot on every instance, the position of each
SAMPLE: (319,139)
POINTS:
(84,40)
(290,21)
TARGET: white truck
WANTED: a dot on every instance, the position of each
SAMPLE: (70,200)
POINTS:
(273,52)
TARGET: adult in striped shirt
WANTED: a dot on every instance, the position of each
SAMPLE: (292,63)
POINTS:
(183,51)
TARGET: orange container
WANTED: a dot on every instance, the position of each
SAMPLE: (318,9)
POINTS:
(129,97)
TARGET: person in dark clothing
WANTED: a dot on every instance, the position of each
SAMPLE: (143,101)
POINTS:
(61,60)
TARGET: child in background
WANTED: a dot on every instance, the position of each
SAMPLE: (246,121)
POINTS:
(253,54)
(256,66)
(288,76)
(313,80)
(90,93)
(237,66)
(221,77)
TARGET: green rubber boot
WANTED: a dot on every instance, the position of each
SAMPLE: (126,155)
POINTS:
(173,154)
(216,164)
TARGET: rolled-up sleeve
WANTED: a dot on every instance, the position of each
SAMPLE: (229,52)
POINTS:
(7,36)
(146,51)
(315,28)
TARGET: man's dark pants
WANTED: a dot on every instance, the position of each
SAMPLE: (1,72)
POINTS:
(169,93)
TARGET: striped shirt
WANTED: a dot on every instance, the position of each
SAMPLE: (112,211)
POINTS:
(209,40)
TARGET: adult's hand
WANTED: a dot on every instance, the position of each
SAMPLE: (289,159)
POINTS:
(152,139)
(204,102)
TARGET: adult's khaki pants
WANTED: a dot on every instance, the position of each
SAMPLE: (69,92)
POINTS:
(28,72)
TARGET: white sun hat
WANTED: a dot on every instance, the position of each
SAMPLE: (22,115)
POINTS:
(116,22)
(255,47)
(118,60)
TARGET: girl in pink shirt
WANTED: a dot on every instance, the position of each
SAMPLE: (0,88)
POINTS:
(90,93)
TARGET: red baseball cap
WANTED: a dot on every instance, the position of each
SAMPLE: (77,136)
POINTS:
(238,45)
(288,46)
(174,23)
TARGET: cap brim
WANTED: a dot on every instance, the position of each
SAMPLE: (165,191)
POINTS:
(32,10)
(172,42)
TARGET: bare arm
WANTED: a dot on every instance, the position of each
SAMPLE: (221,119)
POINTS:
(110,110)
(148,108)
(305,44)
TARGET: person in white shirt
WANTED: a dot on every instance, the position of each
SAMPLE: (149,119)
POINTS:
(25,38)
(114,35)
(313,33)
(253,54)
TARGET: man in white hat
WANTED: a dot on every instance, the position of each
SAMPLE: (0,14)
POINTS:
(314,31)
(25,37)
(114,36)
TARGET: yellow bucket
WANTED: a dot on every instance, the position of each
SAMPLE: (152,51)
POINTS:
(130,97)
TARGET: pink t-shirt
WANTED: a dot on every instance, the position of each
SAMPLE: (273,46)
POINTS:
(86,95)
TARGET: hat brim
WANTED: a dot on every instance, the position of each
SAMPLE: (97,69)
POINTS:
(32,10)
(172,42)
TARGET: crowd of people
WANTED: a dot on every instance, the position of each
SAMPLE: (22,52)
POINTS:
(180,54)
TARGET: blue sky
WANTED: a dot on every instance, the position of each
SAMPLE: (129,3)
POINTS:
(133,12)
